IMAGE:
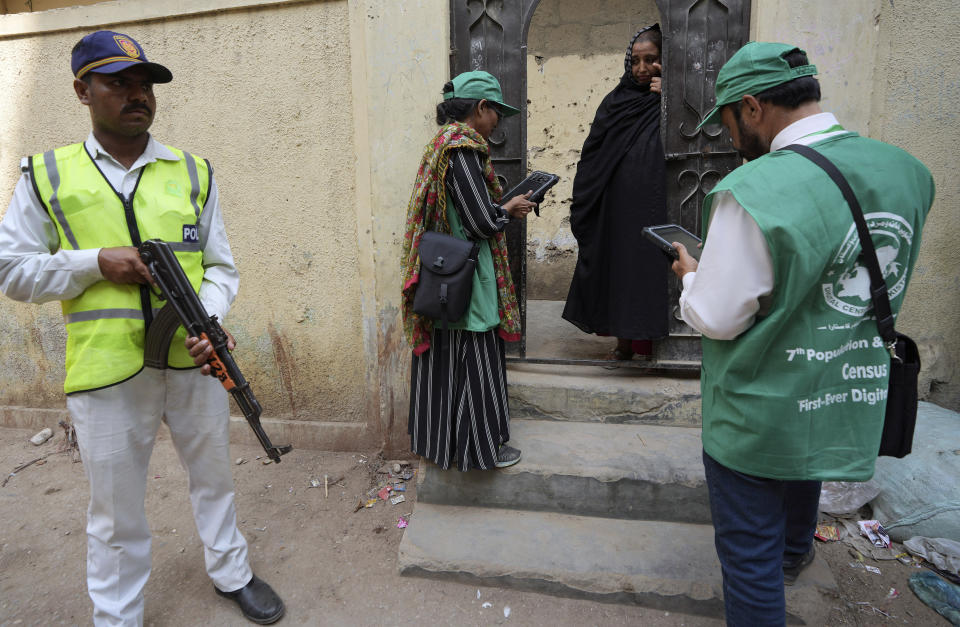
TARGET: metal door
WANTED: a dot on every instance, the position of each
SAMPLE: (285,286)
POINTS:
(490,35)
(699,36)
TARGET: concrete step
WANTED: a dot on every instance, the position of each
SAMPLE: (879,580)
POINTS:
(666,566)
(596,394)
(549,336)
(638,472)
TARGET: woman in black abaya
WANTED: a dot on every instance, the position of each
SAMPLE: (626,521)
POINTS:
(619,287)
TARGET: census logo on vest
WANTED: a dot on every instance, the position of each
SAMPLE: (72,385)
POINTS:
(129,48)
(847,286)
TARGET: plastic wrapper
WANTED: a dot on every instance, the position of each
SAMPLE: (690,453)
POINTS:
(846,497)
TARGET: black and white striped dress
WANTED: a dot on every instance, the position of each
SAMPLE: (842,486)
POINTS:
(459,414)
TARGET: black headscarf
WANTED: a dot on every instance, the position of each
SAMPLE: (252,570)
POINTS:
(628,59)
(630,109)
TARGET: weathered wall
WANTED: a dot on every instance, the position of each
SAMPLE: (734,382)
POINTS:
(840,39)
(891,70)
(917,107)
(265,94)
(575,54)
(26,6)
(400,65)
(314,114)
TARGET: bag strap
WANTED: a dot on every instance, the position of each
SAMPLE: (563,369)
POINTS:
(878,287)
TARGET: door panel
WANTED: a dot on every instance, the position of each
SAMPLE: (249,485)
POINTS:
(699,36)
(489,35)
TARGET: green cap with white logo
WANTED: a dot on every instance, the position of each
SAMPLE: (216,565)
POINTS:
(480,85)
(757,66)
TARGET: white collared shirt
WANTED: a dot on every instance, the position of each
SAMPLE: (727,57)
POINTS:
(34,268)
(735,274)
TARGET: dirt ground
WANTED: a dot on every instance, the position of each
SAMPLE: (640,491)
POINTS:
(331,565)
(867,598)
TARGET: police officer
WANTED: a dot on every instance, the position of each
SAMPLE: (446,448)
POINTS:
(777,296)
(70,234)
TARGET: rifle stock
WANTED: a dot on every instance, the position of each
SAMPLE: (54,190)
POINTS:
(178,292)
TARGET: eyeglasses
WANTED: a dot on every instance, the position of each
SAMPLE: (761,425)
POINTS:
(499,113)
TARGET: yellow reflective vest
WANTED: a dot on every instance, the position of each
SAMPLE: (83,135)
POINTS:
(106,324)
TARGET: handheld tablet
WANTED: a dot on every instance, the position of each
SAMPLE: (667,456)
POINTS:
(538,182)
(664,235)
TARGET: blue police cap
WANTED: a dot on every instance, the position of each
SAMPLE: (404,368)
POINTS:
(107,52)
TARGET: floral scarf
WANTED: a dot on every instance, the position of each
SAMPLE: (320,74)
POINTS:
(428,211)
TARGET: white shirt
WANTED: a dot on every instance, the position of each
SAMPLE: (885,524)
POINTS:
(735,275)
(34,268)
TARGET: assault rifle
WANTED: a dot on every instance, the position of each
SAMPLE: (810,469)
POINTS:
(184,307)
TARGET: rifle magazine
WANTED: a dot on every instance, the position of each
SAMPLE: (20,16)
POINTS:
(159,336)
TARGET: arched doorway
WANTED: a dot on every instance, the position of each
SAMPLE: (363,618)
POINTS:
(699,36)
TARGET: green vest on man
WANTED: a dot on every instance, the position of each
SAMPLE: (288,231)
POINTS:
(801,394)
(106,329)
(795,375)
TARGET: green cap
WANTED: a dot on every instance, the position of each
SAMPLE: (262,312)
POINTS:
(755,67)
(480,85)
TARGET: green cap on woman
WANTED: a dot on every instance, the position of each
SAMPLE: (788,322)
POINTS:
(480,85)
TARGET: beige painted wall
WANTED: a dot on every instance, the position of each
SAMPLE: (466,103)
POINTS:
(917,107)
(575,54)
(400,65)
(314,115)
(892,70)
(265,94)
(840,39)
(26,6)
(564,93)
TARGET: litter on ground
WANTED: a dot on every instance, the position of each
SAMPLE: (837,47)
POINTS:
(827,533)
(874,531)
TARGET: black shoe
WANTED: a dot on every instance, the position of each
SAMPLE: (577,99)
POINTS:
(793,567)
(257,600)
(507,456)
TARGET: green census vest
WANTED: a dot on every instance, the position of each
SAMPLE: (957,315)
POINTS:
(106,323)
(483,313)
(801,394)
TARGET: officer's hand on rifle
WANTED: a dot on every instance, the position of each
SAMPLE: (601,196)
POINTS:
(122,265)
(202,350)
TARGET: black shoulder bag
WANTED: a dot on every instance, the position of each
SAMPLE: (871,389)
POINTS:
(447,264)
(901,416)
(443,292)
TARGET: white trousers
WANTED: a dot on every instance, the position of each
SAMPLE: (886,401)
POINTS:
(116,428)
